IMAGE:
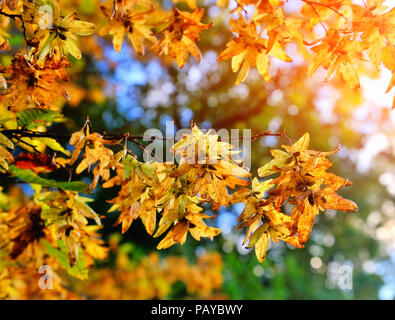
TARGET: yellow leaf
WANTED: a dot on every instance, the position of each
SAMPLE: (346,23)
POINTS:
(261,246)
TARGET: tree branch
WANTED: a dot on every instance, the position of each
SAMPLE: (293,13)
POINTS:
(13,17)
(23,133)
(330,7)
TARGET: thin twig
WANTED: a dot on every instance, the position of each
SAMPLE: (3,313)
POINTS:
(20,133)
(312,3)
(114,9)
(19,16)
(317,14)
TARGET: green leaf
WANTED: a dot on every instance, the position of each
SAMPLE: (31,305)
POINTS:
(87,7)
(6,142)
(32,118)
(86,210)
(79,271)
(257,235)
(4,120)
(4,200)
(15,40)
(148,169)
(130,164)
(4,262)
(31,177)
(54,145)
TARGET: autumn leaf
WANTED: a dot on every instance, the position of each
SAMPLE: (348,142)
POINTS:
(336,53)
(36,162)
(96,154)
(31,228)
(303,179)
(180,34)
(249,49)
(60,36)
(193,223)
(11,4)
(32,86)
(131,23)
(208,164)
